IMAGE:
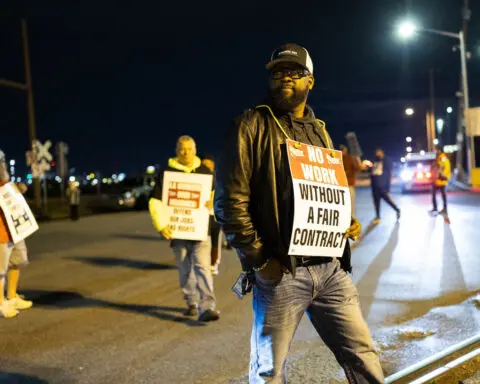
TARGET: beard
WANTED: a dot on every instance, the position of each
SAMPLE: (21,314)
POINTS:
(288,102)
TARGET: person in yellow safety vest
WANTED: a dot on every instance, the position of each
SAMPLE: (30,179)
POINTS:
(193,257)
(441,173)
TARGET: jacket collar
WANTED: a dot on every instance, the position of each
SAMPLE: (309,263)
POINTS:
(175,164)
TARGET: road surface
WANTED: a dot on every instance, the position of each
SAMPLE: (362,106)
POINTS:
(107,308)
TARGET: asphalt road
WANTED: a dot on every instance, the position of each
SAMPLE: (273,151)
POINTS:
(107,308)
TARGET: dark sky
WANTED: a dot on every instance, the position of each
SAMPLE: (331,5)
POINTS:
(119,81)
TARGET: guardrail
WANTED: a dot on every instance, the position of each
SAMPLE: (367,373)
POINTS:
(396,377)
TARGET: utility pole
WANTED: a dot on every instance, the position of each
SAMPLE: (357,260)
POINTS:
(31,112)
(27,87)
(461,133)
(431,114)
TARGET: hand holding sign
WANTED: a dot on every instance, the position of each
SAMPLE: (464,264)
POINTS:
(22,188)
(353,232)
(209,205)
(167,232)
(367,164)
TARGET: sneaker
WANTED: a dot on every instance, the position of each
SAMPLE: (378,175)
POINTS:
(398,215)
(443,212)
(433,212)
(18,303)
(209,315)
(7,311)
(376,221)
(191,311)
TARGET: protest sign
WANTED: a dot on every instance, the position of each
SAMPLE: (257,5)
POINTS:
(185,196)
(20,220)
(321,201)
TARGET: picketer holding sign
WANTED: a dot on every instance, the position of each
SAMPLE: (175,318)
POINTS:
(16,223)
(180,206)
(283,202)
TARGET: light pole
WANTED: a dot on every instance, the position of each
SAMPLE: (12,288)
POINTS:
(406,30)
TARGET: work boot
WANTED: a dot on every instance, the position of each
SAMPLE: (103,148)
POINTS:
(191,311)
(209,315)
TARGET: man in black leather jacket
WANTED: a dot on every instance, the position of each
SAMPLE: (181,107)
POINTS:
(254,204)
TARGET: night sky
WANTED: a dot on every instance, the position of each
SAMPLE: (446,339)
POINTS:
(119,81)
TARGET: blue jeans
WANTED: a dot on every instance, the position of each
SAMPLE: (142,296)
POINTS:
(330,299)
(193,261)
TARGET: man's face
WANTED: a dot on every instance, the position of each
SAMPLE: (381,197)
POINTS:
(289,85)
(210,164)
(186,152)
(380,154)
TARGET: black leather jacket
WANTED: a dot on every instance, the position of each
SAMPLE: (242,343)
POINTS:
(254,193)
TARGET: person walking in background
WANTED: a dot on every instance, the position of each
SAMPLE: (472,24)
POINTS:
(12,258)
(381,176)
(73,196)
(442,173)
(352,165)
(215,230)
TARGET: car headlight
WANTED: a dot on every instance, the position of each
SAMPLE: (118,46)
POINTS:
(128,195)
(406,175)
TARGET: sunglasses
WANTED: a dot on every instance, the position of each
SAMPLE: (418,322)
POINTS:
(295,74)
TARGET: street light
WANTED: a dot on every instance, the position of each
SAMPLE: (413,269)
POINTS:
(409,111)
(440,124)
(408,139)
(449,109)
(406,30)
(409,149)
(435,141)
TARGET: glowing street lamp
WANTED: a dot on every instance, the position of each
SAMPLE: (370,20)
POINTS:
(409,149)
(440,124)
(409,111)
(407,29)
(449,109)
(408,139)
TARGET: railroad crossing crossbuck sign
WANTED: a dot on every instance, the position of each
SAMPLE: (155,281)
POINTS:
(40,159)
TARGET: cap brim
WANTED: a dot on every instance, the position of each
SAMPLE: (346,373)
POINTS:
(273,63)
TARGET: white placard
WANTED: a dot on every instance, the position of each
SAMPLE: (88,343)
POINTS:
(20,220)
(185,196)
(321,201)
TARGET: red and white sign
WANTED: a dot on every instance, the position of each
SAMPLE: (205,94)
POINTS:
(185,196)
(322,201)
(20,220)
